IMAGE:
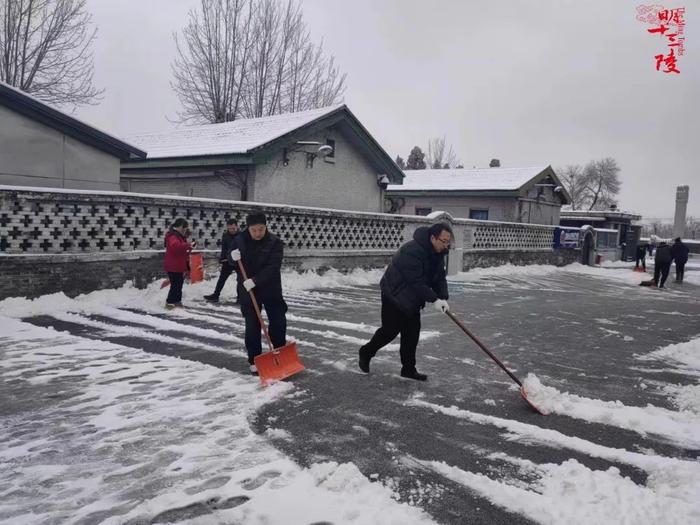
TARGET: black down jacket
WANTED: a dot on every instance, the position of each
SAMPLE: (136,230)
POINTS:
(227,241)
(262,261)
(663,254)
(679,251)
(415,275)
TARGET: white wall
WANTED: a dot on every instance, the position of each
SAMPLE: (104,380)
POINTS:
(347,182)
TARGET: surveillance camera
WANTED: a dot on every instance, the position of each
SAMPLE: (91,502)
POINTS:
(383,179)
(558,189)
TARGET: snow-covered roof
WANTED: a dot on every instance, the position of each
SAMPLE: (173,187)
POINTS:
(236,137)
(501,179)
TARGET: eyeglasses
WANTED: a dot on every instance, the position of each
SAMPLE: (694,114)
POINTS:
(446,242)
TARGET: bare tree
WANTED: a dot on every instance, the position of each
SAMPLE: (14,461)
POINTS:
(602,183)
(573,180)
(45,50)
(245,59)
(439,155)
(211,63)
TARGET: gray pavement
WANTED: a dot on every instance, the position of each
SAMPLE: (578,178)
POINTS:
(577,333)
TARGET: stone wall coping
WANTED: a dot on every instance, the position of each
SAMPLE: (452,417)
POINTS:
(151,200)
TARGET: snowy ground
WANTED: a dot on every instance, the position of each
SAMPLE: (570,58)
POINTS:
(115,411)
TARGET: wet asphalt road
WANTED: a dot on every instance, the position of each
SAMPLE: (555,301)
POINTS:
(576,333)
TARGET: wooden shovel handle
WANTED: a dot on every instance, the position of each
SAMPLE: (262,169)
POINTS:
(256,307)
(482,346)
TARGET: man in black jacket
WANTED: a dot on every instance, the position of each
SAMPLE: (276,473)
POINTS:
(227,267)
(662,263)
(261,253)
(679,251)
(416,275)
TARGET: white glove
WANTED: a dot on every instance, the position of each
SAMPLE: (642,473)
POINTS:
(441,305)
(236,255)
(248,284)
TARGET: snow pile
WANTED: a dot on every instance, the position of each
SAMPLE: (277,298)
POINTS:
(505,270)
(152,298)
(331,279)
(682,428)
(571,492)
(574,494)
(685,397)
(684,358)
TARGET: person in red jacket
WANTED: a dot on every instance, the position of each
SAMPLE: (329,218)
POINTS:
(177,251)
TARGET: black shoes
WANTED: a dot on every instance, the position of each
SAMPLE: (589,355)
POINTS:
(364,361)
(413,374)
(212,298)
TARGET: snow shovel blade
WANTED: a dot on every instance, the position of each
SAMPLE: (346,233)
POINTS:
(166,282)
(523,394)
(278,364)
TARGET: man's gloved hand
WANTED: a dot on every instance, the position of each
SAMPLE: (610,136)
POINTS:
(441,305)
(248,284)
(236,255)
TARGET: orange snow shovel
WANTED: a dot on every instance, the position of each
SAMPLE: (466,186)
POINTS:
(481,345)
(278,363)
(196,268)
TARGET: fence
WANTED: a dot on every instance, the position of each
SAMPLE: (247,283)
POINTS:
(68,226)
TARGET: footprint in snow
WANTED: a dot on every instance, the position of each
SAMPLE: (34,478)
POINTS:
(259,480)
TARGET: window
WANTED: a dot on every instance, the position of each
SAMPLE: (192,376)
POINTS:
(424,211)
(331,143)
(331,156)
(479,215)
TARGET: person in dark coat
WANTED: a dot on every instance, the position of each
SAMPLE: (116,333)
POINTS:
(640,256)
(416,275)
(679,251)
(227,267)
(261,253)
(662,263)
(177,252)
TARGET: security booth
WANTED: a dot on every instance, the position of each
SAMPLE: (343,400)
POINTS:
(618,225)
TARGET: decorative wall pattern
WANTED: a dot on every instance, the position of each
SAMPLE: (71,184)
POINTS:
(72,222)
(499,236)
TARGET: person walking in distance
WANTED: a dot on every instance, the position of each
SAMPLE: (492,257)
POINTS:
(662,263)
(177,251)
(640,256)
(261,253)
(227,267)
(416,275)
(679,251)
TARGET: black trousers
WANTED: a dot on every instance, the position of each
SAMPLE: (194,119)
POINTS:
(277,325)
(395,322)
(226,271)
(663,269)
(680,271)
(642,259)
(175,293)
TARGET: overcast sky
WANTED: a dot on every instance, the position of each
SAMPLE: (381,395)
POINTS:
(529,82)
